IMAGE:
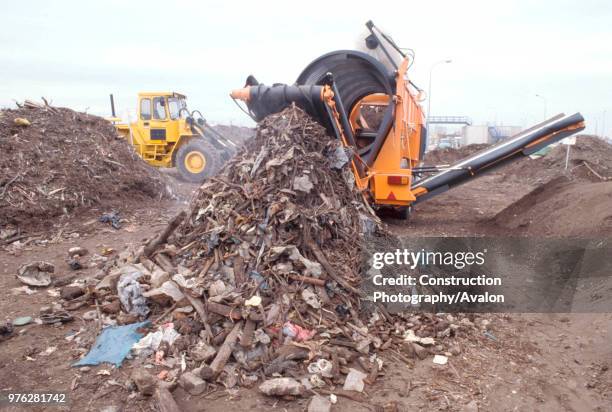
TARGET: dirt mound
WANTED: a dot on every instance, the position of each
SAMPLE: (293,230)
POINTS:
(561,208)
(447,156)
(589,157)
(54,161)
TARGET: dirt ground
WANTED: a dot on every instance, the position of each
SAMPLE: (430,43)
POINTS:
(544,362)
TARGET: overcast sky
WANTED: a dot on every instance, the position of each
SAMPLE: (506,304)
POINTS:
(503,53)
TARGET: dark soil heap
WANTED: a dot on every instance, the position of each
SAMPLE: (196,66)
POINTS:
(561,208)
(63,161)
(574,202)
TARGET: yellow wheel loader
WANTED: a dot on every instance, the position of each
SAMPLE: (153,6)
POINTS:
(166,134)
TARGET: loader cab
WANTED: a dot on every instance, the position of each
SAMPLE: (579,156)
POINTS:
(159,117)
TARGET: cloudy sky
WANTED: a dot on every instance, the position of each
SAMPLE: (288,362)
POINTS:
(503,53)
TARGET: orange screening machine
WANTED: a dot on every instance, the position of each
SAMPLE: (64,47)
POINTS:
(367,100)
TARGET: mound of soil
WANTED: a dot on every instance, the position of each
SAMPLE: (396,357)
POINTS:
(55,161)
(561,208)
(447,156)
(589,157)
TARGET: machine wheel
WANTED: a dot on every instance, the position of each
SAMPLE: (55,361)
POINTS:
(404,212)
(196,160)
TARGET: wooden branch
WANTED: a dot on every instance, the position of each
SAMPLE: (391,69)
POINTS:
(239,271)
(594,172)
(224,310)
(165,400)
(201,311)
(206,267)
(329,268)
(307,279)
(163,236)
(166,264)
(225,350)
(230,312)
(166,313)
(247,334)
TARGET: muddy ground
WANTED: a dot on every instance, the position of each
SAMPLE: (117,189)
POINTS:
(545,362)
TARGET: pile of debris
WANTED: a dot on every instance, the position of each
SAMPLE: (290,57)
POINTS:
(261,279)
(55,160)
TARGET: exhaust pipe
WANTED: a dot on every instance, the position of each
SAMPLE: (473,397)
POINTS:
(525,143)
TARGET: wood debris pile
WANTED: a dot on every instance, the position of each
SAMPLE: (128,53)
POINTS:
(261,278)
(55,160)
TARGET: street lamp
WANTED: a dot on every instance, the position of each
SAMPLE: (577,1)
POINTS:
(544,100)
(429,91)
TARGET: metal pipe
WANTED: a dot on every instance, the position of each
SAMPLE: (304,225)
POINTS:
(522,144)
(112,101)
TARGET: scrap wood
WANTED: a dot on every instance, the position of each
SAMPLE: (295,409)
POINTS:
(200,310)
(164,261)
(307,279)
(166,313)
(154,243)
(272,255)
(247,333)
(331,272)
(354,396)
(225,350)
(62,148)
(595,173)
(165,400)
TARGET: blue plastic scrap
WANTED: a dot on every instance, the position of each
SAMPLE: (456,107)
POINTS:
(113,344)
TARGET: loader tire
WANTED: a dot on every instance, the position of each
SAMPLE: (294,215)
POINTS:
(196,160)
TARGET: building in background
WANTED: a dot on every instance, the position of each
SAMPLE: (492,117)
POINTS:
(457,131)
(487,134)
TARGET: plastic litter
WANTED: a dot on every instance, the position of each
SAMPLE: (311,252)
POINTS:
(112,218)
(22,121)
(297,332)
(253,301)
(338,158)
(150,343)
(22,320)
(36,273)
(354,380)
(322,367)
(113,344)
(281,387)
(130,292)
(440,360)
(489,335)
